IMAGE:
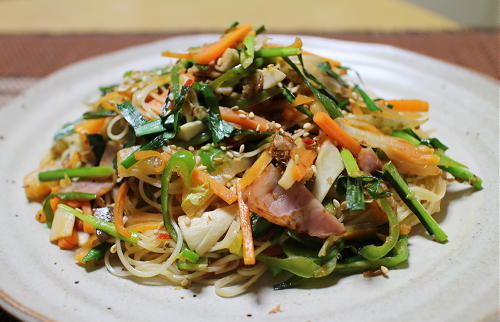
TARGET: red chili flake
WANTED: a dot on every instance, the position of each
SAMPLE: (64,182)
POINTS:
(189,82)
(307,141)
(164,236)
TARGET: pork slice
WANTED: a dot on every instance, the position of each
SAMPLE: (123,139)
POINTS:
(295,208)
(96,187)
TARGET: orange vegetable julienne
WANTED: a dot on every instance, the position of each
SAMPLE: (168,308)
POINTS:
(246,228)
(176,55)
(216,49)
(230,115)
(256,169)
(304,160)
(94,126)
(82,252)
(221,191)
(409,105)
(336,133)
(118,212)
(302,99)
(141,155)
(87,209)
(69,242)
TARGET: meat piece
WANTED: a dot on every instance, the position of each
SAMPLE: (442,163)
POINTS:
(109,154)
(97,187)
(253,84)
(280,148)
(295,208)
(368,160)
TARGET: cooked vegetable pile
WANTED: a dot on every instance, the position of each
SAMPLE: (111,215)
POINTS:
(240,157)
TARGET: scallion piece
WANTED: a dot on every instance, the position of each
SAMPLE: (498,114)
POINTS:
(97,253)
(106,226)
(98,114)
(404,192)
(465,175)
(350,164)
(75,173)
(131,114)
(246,103)
(370,104)
(47,208)
(235,74)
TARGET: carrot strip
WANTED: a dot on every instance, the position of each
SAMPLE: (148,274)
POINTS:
(336,133)
(256,169)
(87,209)
(409,105)
(69,242)
(118,212)
(246,228)
(221,191)
(404,229)
(176,55)
(94,126)
(302,99)
(302,163)
(216,49)
(243,119)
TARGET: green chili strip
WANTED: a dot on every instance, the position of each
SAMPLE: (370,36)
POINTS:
(106,226)
(277,52)
(370,104)
(329,105)
(75,173)
(398,255)
(391,174)
(47,209)
(97,253)
(372,252)
(182,163)
(235,74)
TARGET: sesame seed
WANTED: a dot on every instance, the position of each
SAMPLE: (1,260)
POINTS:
(113,249)
(242,116)
(251,115)
(242,148)
(385,271)
(306,125)
(191,148)
(336,203)
(229,154)
(235,108)
(205,147)
(202,167)
(223,148)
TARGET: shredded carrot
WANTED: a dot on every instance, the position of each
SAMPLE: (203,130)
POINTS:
(404,229)
(409,105)
(336,133)
(302,99)
(69,242)
(176,55)
(246,228)
(118,212)
(200,177)
(163,236)
(244,120)
(216,49)
(303,160)
(94,126)
(256,169)
(143,227)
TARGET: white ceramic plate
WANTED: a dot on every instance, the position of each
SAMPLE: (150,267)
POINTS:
(455,281)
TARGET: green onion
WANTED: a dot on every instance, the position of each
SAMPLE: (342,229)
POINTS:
(260,30)
(466,175)
(75,173)
(372,252)
(326,68)
(107,89)
(182,163)
(405,136)
(97,253)
(106,226)
(154,144)
(301,108)
(330,106)
(149,127)
(277,52)
(98,114)
(200,266)
(399,184)
(248,53)
(355,199)
(350,164)
(370,104)
(47,209)
(246,103)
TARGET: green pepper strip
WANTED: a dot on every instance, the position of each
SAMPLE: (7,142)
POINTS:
(235,74)
(398,255)
(399,184)
(372,252)
(47,209)
(53,175)
(106,226)
(277,52)
(182,163)
(97,253)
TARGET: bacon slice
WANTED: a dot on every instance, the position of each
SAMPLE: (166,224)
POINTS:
(97,187)
(295,208)
(368,160)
